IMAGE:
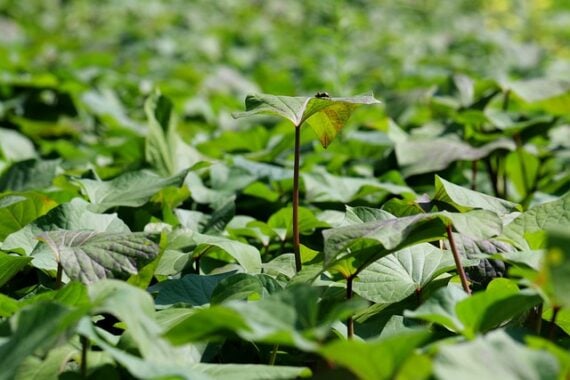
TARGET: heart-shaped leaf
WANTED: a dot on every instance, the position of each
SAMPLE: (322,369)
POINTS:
(367,242)
(325,115)
(395,277)
(90,256)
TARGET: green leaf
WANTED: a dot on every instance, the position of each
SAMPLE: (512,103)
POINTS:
(547,216)
(131,189)
(34,368)
(33,174)
(18,210)
(241,286)
(37,327)
(321,186)
(165,149)
(67,216)
(440,308)
(294,317)
(430,155)
(141,368)
(548,94)
(464,199)
(522,170)
(191,289)
(246,255)
(501,302)
(15,146)
(494,356)
(395,277)
(557,266)
(378,359)
(8,306)
(135,308)
(184,240)
(325,115)
(251,371)
(358,215)
(367,242)
(90,256)
(283,219)
(10,265)
(558,352)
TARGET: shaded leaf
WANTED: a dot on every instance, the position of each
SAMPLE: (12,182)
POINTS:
(440,308)
(37,327)
(33,174)
(294,317)
(10,265)
(191,289)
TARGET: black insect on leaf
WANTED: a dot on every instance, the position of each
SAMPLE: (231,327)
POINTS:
(322,95)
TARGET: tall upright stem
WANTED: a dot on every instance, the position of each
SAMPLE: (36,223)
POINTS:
(552,332)
(492,176)
(58,276)
(520,153)
(84,350)
(350,320)
(506,100)
(474,175)
(296,239)
(457,260)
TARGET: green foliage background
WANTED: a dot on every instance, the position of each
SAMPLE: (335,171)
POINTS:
(145,233)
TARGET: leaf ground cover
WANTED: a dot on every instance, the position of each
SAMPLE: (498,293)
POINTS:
(422,232)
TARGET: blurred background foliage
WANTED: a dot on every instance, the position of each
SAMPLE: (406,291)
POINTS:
(219,50)
(76,73)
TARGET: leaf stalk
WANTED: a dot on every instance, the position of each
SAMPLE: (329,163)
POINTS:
(296,238)
(457,259)
(350,320)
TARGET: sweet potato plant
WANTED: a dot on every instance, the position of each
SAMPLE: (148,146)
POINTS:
(422,232)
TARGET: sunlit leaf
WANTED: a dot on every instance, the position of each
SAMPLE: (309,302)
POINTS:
(325,115)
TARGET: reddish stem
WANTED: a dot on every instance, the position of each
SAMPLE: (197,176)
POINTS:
(457,260)
(552,331)
(296,239)
(350,320)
